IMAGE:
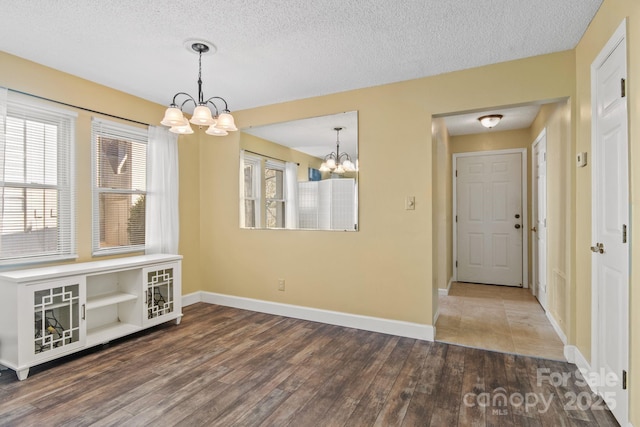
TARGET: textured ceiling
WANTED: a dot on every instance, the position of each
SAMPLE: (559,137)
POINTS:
(273,51)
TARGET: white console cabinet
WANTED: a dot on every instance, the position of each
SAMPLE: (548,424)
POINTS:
(49,312)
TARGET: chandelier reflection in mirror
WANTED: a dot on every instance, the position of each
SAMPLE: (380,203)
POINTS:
(337,162)
(220,122)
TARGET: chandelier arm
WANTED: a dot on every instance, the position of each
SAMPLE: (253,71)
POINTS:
(189,98)
(226,107)
(214,106)
(344,154)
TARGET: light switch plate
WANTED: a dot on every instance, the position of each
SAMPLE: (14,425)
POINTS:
(410,203)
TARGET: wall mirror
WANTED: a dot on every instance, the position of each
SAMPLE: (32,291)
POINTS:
(301,174)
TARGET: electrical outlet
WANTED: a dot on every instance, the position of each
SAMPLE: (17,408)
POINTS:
(281,285)
(581,159)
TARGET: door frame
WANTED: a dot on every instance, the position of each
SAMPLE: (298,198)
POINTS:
(525,211)
(618,37)
(534,216)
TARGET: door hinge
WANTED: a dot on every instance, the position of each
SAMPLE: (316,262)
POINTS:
(456,173)
(456,264)
(624,380)
(624,233)
(456,218)
(623,88)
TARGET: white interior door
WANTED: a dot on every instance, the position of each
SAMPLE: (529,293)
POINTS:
(540,218)
(610,213)
(489,218)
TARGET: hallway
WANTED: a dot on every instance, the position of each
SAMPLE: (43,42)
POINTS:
(498,318)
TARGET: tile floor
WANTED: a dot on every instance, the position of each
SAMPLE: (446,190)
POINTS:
(499,318)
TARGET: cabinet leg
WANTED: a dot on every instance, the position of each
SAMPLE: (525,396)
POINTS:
(178,320)
(22,374)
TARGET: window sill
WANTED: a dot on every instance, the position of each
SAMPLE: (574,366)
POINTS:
(118,251)
(26,262)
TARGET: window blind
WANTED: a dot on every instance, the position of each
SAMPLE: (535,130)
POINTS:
(119,186)
(37,200)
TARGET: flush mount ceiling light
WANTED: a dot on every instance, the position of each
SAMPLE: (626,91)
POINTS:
(337,162)
(490,120)
(220,122)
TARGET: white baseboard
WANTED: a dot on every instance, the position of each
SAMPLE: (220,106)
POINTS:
(445,292)
(557,327)
(573,355)
(373,324)
(191,298)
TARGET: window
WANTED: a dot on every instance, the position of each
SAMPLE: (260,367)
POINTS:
(263,177)
(274,194)
(37,219)
(252,185)
(119,187)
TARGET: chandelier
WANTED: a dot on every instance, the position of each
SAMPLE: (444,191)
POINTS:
(337,162)
(219,122)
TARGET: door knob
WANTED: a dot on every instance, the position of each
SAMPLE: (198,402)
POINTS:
(517,225)
(599,247)
(534,229)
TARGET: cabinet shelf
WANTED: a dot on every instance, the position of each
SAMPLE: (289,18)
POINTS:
(109,299)
(109,332)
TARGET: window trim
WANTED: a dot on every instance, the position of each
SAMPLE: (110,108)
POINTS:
(18,107)
(117,130)
(256,162)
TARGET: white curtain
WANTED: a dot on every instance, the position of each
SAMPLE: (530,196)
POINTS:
(291,195)
(162,220)
(4,93)
(242,213)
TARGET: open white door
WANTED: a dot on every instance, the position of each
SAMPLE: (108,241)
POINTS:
(539,220)
(489,218)
(610,216)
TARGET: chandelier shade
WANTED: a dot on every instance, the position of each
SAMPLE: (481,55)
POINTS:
(337,162)
(215,131)
(173,117)
(183,129)
(206,112)
(226,122)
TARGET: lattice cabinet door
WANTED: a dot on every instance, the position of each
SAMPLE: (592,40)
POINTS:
(54,313)
(162,294)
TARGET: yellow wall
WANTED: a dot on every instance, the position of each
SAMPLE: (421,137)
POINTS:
(280,152)
(611,14)
(385,269)
(556,118)
(494,140)
(26,76)
(442,208)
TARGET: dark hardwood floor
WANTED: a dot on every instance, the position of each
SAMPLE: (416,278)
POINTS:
(228,367)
